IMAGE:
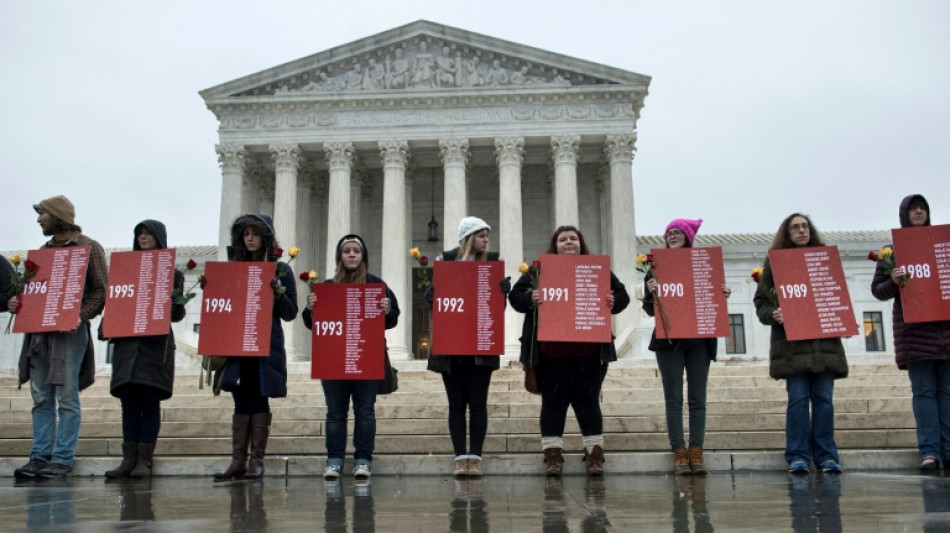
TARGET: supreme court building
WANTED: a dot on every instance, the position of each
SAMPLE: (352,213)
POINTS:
(422,125)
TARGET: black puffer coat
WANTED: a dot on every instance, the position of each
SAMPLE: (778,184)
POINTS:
(787,358)
(150,360)
(444,363)
(920,341)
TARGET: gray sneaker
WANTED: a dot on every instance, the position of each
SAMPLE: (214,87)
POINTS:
(55,470)
(31,469)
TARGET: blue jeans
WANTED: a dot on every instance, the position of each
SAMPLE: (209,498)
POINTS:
(810,437)
(337,393)
(692,357)
(930,383)
(55,440)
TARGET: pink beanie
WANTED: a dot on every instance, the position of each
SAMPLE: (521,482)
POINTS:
(687,226)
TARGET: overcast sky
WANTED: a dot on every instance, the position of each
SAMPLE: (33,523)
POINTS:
(756,109)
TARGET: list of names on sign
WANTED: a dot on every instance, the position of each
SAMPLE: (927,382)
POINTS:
(51,301)
(468,308)
(348,331)
(573,291)
(924,253)
(812,293)
(689,284)
(139,293)
(236,309)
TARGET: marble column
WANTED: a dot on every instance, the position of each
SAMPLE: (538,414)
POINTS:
(306,260)
(395,245)
(231,159)
(454,154)
(620,150)
(286,158)
(358,177)
(603,198)
(509,152)
(564,150)
(339,156)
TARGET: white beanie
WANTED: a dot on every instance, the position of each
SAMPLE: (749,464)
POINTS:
(470,225)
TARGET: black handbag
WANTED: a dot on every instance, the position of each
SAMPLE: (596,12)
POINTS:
(390,382)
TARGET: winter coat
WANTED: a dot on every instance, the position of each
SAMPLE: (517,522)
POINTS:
(710,345)
(6,272)
(149,360)
(919,341)
(520,298)
(444,363)
(787,358)
(392,317)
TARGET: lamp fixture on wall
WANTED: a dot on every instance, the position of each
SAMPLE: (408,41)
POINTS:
(433,225)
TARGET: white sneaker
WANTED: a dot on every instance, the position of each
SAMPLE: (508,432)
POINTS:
(332,472)
(362,471)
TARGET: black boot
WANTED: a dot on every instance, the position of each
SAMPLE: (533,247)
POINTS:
(143,464)
(128,462)
(260,431)
(240,432)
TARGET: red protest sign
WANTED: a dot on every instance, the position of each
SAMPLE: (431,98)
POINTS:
(468,311)
(237,305)
(574,289)
(348,332)
(924,252)
(139,293)
(52,299)
(812,293)
(689,284)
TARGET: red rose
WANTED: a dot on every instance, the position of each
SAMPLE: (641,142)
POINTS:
(30,266)
(872,256)
(536,265)
(304,276)
(756,277)
(279,252)
(191,265)
(424,261)
(650,258)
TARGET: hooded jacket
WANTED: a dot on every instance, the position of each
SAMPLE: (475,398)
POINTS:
(148,361)
(919,341)
(273,368)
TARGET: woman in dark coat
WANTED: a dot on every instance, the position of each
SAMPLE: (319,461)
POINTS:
(570,373)
(143,373)
(809,367)
(352,261)
(921,348)
(253,380)
(467,378)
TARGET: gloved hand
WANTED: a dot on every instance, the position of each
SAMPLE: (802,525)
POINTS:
(505,285)
(430,294)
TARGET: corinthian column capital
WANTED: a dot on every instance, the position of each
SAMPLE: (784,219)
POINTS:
(230,156)
(509,150)
(339,155)
(620,148)
(394,153)
(286,156)
(453,151)
(564,148)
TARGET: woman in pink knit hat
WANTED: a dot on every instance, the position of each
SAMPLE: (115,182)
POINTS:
(673,357)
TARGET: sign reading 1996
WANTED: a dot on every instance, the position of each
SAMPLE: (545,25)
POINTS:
(236,307)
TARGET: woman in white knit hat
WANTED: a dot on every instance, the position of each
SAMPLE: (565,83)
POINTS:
(467,377)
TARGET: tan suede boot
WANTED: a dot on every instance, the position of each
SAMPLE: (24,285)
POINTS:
(681,462)
(553,462)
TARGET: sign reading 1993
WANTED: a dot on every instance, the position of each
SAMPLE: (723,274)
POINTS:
(348,331)
(236,307)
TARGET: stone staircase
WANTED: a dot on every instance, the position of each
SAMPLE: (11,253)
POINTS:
(745,427)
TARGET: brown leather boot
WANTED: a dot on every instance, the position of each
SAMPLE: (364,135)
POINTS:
(696,463)
(681,462)
(595,461)
(127,464)
(240,432)
(260,431)
(143,462)
(553,462)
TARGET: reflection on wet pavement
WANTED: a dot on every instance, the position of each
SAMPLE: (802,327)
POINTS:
(740,501)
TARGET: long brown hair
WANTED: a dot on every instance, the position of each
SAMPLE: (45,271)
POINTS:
(465,248)
(552,246)
(782,240)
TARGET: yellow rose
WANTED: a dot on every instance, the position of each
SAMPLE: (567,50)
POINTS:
(293,252)
(414,253)
(887,251)
(641,259)
(523,268)
(313,274)
(16,260)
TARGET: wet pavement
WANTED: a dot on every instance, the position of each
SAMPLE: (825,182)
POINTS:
(740,501)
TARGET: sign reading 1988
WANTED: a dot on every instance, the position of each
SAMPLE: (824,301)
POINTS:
(924,252)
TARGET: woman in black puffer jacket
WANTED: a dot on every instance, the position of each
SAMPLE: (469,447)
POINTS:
(923,349)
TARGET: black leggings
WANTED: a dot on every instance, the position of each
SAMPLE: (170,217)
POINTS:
(467,386)
(141,413)
(571,382)
(247,397)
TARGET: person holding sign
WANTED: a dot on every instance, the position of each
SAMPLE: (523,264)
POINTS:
(58,365)
(921,348)
(143,373)
(6,272)
(466,377)
(809,367)
(253,380)
(352,263)
(570,373)
(673,357)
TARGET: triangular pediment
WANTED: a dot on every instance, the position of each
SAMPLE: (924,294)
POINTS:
(423,56)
